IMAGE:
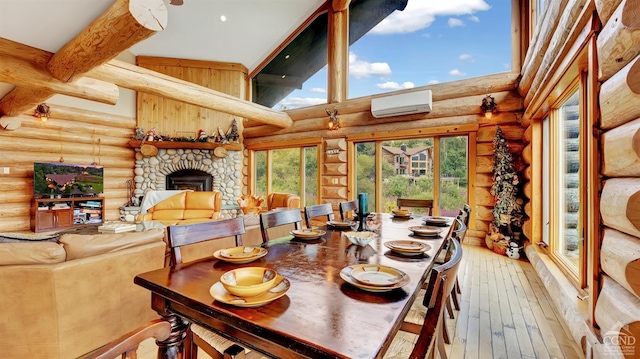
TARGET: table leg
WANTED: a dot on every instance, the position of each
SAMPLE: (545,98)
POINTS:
(178,345)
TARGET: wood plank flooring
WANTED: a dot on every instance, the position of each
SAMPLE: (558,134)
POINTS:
(505,312)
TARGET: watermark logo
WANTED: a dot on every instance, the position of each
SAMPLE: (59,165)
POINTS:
(620,339)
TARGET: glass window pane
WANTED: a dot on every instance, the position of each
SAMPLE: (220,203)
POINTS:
(366,171)
(285,170)
(310,176)
(396,181)
(546,176)
(569,180)
(261,173)
(454,170)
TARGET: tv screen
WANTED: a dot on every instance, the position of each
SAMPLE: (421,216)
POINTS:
(67,180)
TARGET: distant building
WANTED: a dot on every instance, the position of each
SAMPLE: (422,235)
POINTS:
(415,162)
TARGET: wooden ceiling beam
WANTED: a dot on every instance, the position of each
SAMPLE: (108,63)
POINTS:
(123,25)
(151,82)
(35,85)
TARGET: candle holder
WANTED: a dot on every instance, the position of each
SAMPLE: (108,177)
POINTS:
(362,221)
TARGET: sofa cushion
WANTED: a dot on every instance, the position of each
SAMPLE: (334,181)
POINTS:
(168,214)
(83,245)
(173,202)
(31,253)
(202,200)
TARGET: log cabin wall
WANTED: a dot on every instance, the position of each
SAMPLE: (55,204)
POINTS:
(456,109)
(608,324)
(74,135)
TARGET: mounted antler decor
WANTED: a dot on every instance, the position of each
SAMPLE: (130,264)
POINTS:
(489,106)
(334,122)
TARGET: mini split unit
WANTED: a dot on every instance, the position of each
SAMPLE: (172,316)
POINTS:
(402,104)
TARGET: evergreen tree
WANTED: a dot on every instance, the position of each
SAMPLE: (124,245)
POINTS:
(508,208)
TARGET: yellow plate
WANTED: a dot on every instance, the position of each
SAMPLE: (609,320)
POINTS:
(240,255)
(280,288)
(345,274)
(376,275)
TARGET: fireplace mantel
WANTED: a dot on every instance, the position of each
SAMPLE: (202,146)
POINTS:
(197,145)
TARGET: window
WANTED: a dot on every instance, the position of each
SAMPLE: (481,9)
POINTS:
(375,172)
(281,170)
(562,131)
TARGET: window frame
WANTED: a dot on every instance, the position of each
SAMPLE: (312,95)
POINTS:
(435,132)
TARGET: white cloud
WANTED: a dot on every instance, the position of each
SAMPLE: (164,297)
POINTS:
(453,22)
(507,66)
(420,15)
(456,72)
(295,102)
(474,18)
(433,82)
(360,69)
(466,57)
(318,90)
(390,85)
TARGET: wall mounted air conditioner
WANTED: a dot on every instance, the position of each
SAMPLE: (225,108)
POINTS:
(402,104)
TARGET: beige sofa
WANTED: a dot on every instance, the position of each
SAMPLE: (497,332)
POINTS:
(63,300)
(185,208)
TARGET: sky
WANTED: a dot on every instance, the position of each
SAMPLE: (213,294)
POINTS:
(430,41)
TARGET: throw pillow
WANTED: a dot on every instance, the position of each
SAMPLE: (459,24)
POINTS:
(82,245)
(31,253)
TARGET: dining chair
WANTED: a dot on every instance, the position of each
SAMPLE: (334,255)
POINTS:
(318,210)
(181,235)
(415,203)
(277,219)
(346,207)
(210,342)
(430,332)
(467,209)
(127,345)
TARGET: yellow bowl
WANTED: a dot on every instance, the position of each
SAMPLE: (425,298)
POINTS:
(400,212)
(248,281)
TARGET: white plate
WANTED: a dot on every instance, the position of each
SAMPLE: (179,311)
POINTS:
(376,275)
(408,248)
(345,274)
(279,289)
(425,230)
(406,215)
(338,224)
(307,233)
(240,255)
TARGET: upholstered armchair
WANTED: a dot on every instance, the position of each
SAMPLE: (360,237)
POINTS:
(282,200)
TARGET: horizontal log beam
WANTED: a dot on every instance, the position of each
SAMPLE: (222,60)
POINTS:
(620,95)
(621,150)
(606,8)
(617,313)
(151,82)
(122,25)
(621,210)
(619,40)
(620,259)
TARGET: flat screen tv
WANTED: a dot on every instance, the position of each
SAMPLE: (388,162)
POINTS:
(67,180)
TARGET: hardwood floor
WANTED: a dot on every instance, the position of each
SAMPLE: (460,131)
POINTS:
(505,312)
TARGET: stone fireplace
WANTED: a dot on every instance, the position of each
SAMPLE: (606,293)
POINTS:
(195,169)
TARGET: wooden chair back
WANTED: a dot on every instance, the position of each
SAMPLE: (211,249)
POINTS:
(415,203)
(346,207)
(277,219)
(467,210)
(318,210)
(127,345)
(459,230)
(441,281)
(181,235)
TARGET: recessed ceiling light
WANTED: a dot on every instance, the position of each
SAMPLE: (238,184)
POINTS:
(283,76)
(287,56)
(223,18)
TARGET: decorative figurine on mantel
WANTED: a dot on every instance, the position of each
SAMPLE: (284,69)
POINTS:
(151,134)
(219,136)
(202,136)
(139,134)
(232,134)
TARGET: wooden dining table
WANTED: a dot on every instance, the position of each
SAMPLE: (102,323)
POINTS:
(321,315)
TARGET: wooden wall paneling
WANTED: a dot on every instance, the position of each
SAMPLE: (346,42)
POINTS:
(335,144)
(619,40)
(621,210)
(621,151)
(620,259)
(511,133)
(340,157)
(334,192)
(334,180)
(484,180)
(484,197)
(620,95)
(335,169)
(484,164)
